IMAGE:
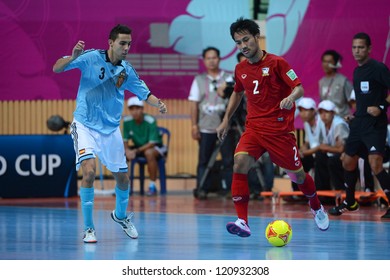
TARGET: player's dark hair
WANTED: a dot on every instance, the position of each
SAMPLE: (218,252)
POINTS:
(210,49)
(119,29)
(363,36)
(241,25)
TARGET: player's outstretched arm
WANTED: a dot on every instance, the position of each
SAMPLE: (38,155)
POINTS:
(155,102)
(61,63)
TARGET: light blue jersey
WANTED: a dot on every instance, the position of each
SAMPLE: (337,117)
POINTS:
(100,95)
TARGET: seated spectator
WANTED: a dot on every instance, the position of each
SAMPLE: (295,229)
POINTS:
(146,140)
(334,132)
(311,123)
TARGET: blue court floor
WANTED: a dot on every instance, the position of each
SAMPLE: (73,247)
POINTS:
(182,228)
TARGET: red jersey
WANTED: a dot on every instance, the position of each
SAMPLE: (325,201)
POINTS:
(266,83)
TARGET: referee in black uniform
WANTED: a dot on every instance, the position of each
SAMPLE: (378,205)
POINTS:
(368,126)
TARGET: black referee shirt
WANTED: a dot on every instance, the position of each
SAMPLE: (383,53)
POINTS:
(371,82)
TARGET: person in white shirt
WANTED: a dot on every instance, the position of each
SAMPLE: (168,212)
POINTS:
(208,105)
(311,122)
(333,134)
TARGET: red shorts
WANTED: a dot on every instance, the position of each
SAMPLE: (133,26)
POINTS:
(282,148)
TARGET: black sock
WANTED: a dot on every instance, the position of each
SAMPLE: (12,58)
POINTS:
(384,180)
(350,178)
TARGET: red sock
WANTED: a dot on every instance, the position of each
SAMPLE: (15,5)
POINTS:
(240,195)
(309,190)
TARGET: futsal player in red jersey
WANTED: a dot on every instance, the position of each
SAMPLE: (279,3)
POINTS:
(271,87)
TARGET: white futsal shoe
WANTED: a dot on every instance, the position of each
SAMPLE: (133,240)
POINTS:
(321,218)
(126,224)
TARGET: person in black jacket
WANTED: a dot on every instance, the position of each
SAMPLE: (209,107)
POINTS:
(368,126)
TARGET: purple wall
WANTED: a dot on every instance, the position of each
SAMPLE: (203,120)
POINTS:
(36,33)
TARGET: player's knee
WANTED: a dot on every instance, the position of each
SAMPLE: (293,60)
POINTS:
(349,163)
(122,180)
(297,177)
(376,163)
(242,164)
(376,168)
(240,168)
(349,166)
(89,176)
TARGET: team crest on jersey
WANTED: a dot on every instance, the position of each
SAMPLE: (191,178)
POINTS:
(243,76)
(265,71)
(121,78)
(291,74)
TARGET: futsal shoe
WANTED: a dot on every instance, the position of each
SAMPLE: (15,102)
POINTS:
(321,218)
(126,224)
(152,190)
(89,236)
(239,228)
(387,214)
(343,207)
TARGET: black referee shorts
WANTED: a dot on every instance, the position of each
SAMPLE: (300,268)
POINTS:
(367,136)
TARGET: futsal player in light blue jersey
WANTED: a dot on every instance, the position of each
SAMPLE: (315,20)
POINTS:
(105,74)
